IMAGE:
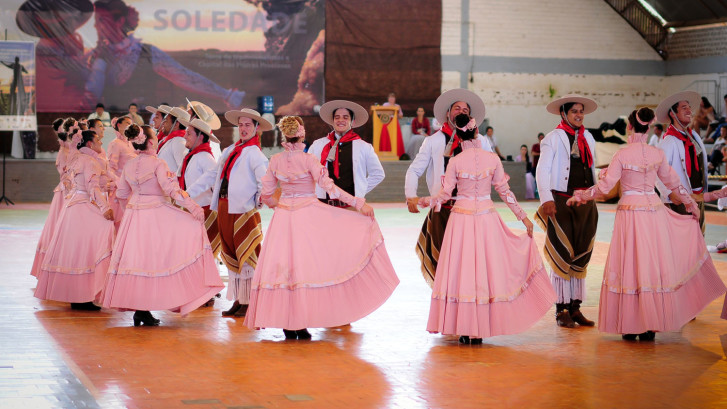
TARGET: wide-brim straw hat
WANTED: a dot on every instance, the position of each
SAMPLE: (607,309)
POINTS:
(589,105)
(201,126)
(53,18)
(151,109)
(180,113)
(164,109)
(662,111)
(205,113)
(445,101)
(263,124)
(360,115)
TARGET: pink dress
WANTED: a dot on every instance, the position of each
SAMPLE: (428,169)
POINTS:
(119,153)
(489,281)
(77,259)
(320,266)
(162,259)
(658,273)
(54,212)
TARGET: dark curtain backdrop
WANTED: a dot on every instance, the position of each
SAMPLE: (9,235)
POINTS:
(374,47)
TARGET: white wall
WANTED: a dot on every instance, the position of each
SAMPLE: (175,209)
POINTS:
(550,33)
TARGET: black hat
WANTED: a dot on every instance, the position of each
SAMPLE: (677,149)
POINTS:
(53,19)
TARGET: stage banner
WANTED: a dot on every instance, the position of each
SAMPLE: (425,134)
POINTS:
(225,53)
(17,86)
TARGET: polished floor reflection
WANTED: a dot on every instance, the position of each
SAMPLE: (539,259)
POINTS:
(53,357)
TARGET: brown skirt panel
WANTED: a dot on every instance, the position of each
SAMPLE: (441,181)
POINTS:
(241,237)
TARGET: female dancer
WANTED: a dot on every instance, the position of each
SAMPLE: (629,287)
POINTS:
(339,277)
(58,202)
(174,269)
(658,272)
(489,281)
(75,265)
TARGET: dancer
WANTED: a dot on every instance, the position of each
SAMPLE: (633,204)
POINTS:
(173,269)
(57,204)
(120,150)
(351,161)
(684,151)
(236,198)
(489,281)
(658,273)
(79,252)
(172,149)
(566,164)
(433,157)
(331,280)
(197,175)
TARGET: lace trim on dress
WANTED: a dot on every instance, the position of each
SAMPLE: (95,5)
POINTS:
(641,168)
(658,289)
(476,176)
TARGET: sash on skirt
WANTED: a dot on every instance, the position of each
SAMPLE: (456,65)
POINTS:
(241,236)
(570,237)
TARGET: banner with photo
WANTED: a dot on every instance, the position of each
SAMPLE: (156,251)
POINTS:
(226,53)
(17,86)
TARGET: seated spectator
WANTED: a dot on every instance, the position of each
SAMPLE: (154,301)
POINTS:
(656,136)
(529,173)
(535,151)
(420,129)
(717,156)
(101,114)
(134,114)
(489,131)
(703,117)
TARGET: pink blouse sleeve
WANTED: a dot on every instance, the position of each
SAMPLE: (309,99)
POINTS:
(320,175)
(714,195)
(170,185)
(123,189)
(269,184)
(670,179)
(499,182)
(450,181)
(114,155)
(92,175)
(605,184)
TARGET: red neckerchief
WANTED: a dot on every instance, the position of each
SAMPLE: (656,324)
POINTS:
(688,146)
(255,140)
(176,134)
(447,130)
(349,136)
(582,144)
(204,147)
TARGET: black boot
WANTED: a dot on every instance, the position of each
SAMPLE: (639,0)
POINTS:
(562,316)
(464,339)
(476,341)
(647,336)
(241,311)
(628,337)
(290,334)
(577,316)
(235,306)
(85,306)
(303,334)
(145,318)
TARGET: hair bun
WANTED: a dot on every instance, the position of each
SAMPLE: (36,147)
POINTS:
(289,125)
(645,114)
(461,120)
(132,131)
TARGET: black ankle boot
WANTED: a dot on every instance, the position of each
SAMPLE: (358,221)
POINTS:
(290,334)
(235,306)
(628,337)
(476,341)
(464,339)
(145,318)
(647,336)
(303,334)
(577,316)
(562,316)
(85,306)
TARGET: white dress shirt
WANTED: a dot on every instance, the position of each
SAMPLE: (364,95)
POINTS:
(245,184)
(173,153)
(554,164)
(430,159)
(199,177)
(367,169)
(674,152)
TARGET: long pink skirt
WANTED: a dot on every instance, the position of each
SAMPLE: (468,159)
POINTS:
(319,266)
(724,309)
(658,273)
(75,265)
(162,260)
(489,281)
(54,214)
